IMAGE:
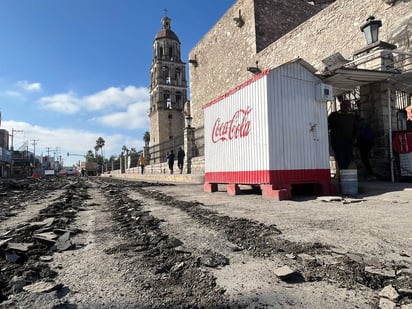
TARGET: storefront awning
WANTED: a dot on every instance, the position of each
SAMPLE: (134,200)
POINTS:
(346,79)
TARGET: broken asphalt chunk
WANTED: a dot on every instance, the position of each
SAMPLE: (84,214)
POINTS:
(42,287)
(4,241)
(380,272)
(48,238)
(22,247)
(390,293)
(12,258)
(63,243)
(284,272)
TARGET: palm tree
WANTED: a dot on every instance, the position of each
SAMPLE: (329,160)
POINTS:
(125,150)
(89,155)
(146,138)
(99,145)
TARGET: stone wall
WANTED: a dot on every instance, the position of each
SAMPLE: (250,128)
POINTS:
(226,50)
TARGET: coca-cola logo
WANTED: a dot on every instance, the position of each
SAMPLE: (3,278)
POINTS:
(236,127)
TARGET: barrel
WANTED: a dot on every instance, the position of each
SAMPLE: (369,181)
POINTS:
(349,181)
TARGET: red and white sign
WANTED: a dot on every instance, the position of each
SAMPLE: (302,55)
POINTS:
(236,127)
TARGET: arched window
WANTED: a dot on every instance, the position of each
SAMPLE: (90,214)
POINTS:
(165,73)
(171,53)
(167,99)
(178,74)
(179,99)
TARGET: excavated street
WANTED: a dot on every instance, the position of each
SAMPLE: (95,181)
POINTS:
(107,243)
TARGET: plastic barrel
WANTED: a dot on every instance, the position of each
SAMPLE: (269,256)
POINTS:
(349,181)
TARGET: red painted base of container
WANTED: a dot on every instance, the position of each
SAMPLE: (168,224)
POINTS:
(274,184)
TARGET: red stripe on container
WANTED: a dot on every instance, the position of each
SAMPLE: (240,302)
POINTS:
(270,177)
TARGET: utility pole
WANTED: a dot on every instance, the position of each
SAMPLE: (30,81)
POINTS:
(12,136)
(48,152)
(34,151)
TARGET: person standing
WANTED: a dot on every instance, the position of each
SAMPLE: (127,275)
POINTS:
(365,144)
(170,160)
(142,163)
(342,127)
(180,159)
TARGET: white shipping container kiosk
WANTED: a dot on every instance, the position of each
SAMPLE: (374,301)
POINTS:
(270,131)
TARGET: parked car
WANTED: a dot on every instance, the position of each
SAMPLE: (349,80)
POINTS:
(69,171)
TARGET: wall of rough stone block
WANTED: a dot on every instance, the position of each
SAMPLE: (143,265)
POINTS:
(226,50)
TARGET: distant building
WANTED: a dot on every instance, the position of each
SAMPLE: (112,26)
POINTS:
(5,154)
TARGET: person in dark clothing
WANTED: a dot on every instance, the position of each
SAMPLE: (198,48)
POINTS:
(180,159)
(365,144)
(342,127)
(170,160)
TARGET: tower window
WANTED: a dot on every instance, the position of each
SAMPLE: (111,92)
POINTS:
(177,74)
(179,99)
(170,116)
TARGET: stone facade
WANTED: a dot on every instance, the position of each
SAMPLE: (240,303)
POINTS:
(334,29)
(225,52)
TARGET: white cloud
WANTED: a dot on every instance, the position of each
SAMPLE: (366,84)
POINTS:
(14,94)
(117,97)
(135,117)
(31,87)
(113,98)
(66,103)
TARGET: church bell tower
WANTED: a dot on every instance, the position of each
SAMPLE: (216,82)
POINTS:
(168,87)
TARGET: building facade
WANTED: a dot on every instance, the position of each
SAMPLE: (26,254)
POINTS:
(260,41)
(5,154)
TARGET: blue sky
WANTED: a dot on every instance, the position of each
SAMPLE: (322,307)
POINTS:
(72,71)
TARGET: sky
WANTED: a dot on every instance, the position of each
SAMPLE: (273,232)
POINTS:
(72,71)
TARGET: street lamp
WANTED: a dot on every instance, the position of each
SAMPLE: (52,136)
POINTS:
(189,121)
(371,29)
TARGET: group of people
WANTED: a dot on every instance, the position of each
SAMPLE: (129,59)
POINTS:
(170,157)
(347,131)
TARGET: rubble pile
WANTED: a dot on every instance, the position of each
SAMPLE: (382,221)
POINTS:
(179,281)
(26,249)
(306,261)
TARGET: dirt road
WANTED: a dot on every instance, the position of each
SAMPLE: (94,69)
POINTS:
(107,243)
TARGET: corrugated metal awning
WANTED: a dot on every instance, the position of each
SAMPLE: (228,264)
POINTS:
(346,79)
(403,81)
